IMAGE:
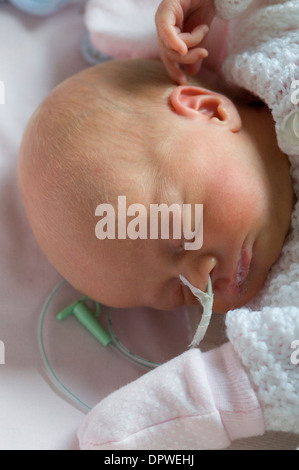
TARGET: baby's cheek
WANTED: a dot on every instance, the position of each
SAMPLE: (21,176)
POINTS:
(244,199)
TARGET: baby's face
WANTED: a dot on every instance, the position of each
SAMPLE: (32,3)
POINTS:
(245,188)
(199,149)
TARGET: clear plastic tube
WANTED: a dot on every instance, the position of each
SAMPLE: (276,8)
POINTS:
(205,298)
(115,344)
(58,384)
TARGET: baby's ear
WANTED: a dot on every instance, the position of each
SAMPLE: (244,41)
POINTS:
(200,103)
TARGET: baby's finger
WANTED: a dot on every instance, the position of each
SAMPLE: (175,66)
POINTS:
(171,40)
(196,37)
(193,69)
(191,57)
(174,71)
(169,21)
(192,61)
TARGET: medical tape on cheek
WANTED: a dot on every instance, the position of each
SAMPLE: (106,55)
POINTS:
(206,299)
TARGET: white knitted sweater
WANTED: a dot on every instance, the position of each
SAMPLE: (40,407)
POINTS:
(263,57)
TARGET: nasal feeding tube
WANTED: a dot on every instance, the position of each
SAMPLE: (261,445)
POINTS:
(206,299)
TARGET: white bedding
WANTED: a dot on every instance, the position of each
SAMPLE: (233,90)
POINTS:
(35,55)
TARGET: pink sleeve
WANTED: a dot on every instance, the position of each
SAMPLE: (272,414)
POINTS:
(195,401)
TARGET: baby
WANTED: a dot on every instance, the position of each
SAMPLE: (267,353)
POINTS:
(125,128)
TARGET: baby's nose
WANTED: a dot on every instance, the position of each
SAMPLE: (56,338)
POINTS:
(198,271)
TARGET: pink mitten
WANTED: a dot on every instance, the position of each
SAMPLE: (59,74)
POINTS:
(195,401)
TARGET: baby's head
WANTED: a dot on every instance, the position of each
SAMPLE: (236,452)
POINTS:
(124,129)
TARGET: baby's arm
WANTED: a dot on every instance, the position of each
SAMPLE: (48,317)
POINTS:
(195,401)
(206,400)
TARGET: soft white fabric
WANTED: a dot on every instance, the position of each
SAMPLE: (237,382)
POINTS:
(264,342)
(228,9)
(263,58)
(35,55)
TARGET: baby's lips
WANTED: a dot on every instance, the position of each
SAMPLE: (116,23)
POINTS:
(243,266)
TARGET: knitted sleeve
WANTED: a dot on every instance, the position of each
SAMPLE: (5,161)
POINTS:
(263,58)
(267,343)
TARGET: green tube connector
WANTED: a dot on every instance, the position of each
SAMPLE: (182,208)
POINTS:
(87,319)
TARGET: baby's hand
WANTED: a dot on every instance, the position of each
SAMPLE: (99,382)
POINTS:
(182,26)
